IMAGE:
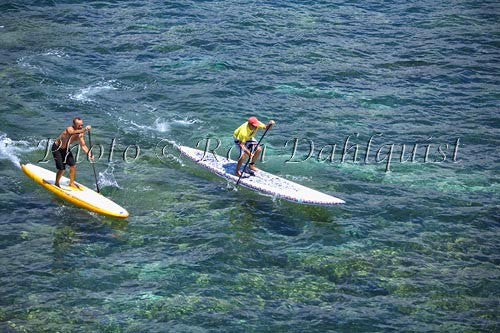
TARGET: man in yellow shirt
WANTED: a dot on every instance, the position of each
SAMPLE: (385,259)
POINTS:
(246,143)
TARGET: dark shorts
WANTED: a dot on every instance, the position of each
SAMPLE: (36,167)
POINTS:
(62,157)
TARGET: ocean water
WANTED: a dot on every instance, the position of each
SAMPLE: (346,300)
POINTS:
(416,247)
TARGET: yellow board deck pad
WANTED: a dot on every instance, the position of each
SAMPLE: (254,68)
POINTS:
(80,196)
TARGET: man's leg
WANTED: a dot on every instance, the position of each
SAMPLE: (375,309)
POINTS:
(254,158)
(58,159)
(240,162)
(59,174)
(72,173)
(72,168)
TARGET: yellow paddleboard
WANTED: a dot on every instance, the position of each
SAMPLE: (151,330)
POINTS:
(82,196)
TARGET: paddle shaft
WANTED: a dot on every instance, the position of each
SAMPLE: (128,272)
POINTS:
(250,156)
(93,166)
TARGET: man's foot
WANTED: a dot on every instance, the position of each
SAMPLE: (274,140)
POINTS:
(252,167)
(238,173)
(57,184)
(75,186)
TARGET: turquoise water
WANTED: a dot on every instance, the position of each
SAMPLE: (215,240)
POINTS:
(414,249)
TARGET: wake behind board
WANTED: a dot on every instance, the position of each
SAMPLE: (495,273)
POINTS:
(262,181)
(82,197)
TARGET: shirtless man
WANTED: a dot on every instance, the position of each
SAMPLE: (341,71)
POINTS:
(62,154)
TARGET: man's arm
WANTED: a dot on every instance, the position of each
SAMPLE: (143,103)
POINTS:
(72,131)
(244,149)
(84,146)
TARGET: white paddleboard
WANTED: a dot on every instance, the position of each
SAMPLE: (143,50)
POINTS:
(262,181)
(81,196)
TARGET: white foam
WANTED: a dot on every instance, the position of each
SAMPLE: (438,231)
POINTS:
(24,62)
(150,108)
(56,53)
(172,142)
(165,155)
(107,178)
(161,126)
(186,121)
(133,123)
(158,125)
(10,149)
(86,94)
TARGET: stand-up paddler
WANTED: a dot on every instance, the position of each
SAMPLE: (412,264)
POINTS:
(62,153)
(246,143)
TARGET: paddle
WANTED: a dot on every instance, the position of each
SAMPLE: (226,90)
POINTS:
(250,157)
(93,166)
